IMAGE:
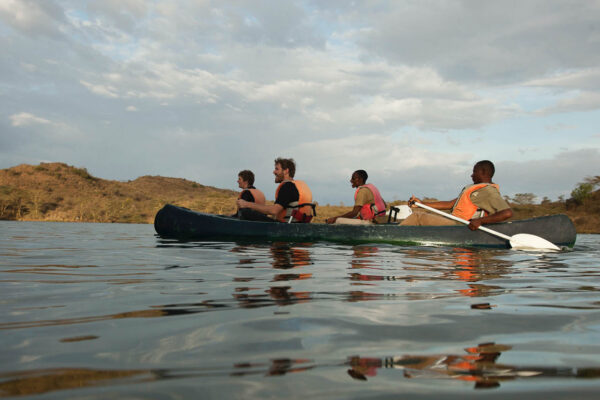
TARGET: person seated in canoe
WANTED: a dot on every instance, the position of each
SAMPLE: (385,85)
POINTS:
(289,195)
(369,207)
(249,193)
(479,203)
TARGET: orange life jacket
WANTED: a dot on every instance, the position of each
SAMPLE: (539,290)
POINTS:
(372,210)
(259,197)
(305,197)
(464,207)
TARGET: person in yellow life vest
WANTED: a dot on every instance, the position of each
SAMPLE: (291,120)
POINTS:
(479,203)
(249,193)
(288,195)
(369,207)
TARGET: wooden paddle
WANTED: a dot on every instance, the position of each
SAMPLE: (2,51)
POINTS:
(520,241)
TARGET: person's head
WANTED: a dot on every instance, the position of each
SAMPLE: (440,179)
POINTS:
(245,179)
(285,168)
(483,171)
(359,178)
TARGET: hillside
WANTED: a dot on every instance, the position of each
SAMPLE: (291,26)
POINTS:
(585,216)
(59,192)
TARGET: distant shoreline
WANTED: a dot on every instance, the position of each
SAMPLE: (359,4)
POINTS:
(57,192)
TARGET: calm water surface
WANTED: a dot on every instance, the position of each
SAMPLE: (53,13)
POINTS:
(96,311)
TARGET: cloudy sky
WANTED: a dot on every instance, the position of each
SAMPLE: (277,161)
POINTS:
(413,91)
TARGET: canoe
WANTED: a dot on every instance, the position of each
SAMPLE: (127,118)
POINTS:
(181,223)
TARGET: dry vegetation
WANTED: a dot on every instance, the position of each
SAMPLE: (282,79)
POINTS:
(59,192)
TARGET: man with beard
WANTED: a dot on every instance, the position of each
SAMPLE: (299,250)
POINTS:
(289,194)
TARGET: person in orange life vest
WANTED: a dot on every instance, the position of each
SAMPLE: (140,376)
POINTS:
(288,192)
(249,193)
(480,203)
(369,207)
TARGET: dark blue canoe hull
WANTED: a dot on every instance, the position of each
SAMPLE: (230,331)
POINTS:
(182,223)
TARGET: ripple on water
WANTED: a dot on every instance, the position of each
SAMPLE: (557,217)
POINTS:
(90,309)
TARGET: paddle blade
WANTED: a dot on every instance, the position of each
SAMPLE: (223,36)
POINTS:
(525,241)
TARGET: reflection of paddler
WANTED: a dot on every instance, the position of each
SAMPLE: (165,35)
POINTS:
(283,296)
(286,256)
(469,268)
(466,264)
(291,277)
(364,277)
(359,295)
(287,365)
(363,367)
(474,366)
(360,253)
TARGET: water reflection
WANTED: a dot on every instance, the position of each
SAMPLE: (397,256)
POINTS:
(49,380)
(284,256)
(123,318)
(424,265)
(364,257)
(388,273)
(471,266)
(478,365)
(277,367)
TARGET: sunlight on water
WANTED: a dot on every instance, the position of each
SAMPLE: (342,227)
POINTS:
(108,310)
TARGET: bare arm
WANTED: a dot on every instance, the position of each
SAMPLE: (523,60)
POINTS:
(490,219)
(271,209)
(438,205)
(350,214)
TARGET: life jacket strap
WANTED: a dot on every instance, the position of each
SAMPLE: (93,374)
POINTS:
(294,213)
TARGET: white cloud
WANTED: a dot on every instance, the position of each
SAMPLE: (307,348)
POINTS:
(102,90)
(585,101)
(484,42)
(568,80)
(25,119)
(32,17)
(413,92)
(380,155)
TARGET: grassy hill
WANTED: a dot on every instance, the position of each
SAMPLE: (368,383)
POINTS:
(59,192)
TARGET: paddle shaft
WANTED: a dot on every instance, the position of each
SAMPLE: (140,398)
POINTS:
(464,221)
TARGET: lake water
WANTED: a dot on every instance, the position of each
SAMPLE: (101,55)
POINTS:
(96,311)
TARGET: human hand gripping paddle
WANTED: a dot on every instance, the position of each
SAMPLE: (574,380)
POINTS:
(520,241)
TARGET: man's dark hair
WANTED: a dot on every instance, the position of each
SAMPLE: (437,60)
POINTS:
(287,163)
(362,174)
(247,176)
(487,167)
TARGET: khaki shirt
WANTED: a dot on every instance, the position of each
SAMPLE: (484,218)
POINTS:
(364,196)
(489,199)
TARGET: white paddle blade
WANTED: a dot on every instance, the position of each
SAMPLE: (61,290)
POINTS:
(525,241)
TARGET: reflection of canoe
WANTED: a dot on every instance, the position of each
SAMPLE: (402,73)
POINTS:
(178,222)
